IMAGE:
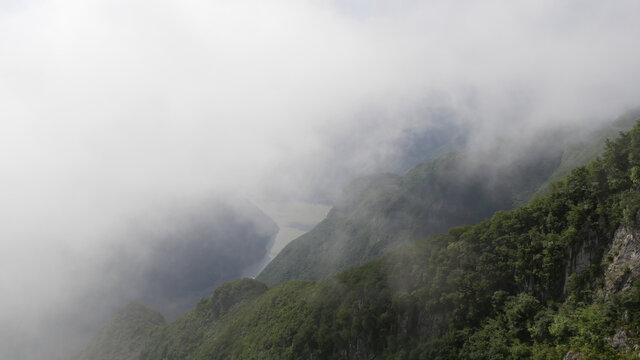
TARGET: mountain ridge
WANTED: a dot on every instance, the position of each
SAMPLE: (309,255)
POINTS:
(380,212)
(525,283)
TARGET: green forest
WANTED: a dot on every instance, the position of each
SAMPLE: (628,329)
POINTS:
(555,278)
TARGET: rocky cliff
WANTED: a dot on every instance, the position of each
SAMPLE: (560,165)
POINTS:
(623,257)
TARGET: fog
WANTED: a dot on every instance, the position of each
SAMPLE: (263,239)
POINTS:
(110,110)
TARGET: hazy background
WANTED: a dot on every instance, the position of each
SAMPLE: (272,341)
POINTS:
(111,110)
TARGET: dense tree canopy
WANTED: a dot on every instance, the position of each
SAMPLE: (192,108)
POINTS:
(527,283)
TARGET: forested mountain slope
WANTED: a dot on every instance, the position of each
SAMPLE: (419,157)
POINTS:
(555,278)
(381,212)
(129,331)
(581,151)
(190,250)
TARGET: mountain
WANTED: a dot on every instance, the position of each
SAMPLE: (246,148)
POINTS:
(381,212)
(582,150)
(189,250)
(558,277)
(168,258)
(378,213)
(130,329)
(418,145)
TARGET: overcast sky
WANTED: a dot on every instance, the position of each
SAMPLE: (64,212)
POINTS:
(109,107)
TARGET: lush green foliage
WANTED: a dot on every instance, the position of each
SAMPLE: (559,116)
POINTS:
(514,286)
(382,212)
(125,336)
(492,290)
(379,213)
(584,150)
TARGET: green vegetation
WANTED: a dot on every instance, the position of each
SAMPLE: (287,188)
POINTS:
(379,213)
(581,152)
(125,336)
(198,247)
(184,337)
(527,283)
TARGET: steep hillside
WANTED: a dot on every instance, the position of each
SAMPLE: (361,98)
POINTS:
(189,250)
(555,278)
(381,212)
(125,336)
(582,150)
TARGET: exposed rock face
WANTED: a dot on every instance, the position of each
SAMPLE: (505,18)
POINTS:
(622,342)
(581,257)
(624,255)
(571,355)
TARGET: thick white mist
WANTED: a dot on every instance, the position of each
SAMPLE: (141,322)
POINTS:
(109,108)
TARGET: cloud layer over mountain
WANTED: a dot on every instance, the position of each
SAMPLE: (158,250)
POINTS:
(110,108)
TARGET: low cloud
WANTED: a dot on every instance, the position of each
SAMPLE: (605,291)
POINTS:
(108,108)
